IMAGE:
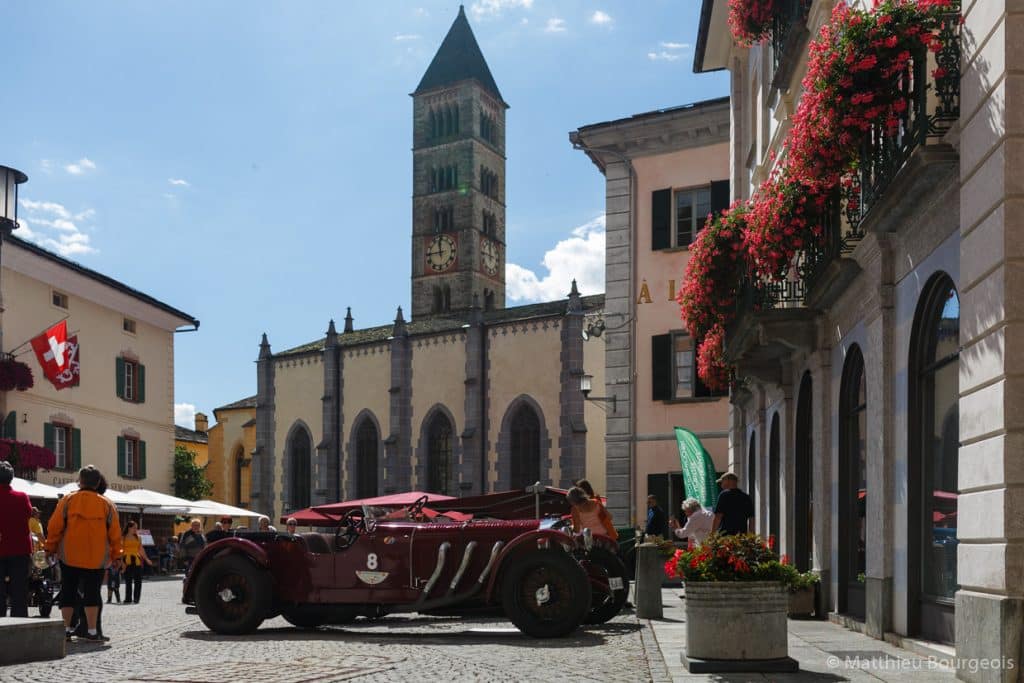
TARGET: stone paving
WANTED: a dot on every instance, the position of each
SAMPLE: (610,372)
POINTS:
(156,642)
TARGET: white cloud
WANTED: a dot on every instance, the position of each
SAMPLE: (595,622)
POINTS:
(555,25)
(178,181)
(46,166)
(185,415)
(484,9)
(600,18)
(663,56)
(53,226)
(580,257)
(402,37)
(421,12)
(81,166)
(675,46)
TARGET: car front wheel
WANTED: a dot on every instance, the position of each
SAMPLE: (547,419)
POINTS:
(233,596)
(546,594)
(610,569)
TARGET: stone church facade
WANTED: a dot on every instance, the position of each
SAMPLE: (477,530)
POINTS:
(466,397)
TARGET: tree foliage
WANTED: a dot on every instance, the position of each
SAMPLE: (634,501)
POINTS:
(190,480)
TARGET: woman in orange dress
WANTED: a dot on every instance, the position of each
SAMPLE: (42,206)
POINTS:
(588,513)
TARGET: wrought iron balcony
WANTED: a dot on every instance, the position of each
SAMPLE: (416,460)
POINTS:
(789,33)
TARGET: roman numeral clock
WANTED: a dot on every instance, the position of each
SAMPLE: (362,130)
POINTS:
(441,253)
(490,256)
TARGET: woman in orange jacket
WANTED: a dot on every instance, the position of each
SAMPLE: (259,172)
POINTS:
(134,556)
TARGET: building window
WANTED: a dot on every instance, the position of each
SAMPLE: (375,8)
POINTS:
(444,219)
(490,223)
(59,299)
(131,380)
(444,178)
(131,457)
(128,325)
(439,454)
(692,209)
(488,182)
(366,459)
(853,493)
(65,442)
(488,128)
(673,370)
(300,469)
(525,442)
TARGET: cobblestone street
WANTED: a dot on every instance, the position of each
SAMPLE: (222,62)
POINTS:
(156,641)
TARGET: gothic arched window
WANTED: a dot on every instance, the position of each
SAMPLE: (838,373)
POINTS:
(300,451)
(439,454)
(366,459)
(525,450)
(853,485)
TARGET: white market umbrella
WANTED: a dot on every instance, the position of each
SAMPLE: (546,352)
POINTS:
(225,510)
(154,502)
(35,489)
(118,498)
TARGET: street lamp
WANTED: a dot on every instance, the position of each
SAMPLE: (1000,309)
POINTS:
(586,385)
(10,178)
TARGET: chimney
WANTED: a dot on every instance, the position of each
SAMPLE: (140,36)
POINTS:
(202,424)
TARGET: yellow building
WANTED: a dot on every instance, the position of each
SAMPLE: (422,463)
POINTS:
(194,440)
(120,417)
(231,442)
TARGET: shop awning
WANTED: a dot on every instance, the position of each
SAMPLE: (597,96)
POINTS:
(35,489)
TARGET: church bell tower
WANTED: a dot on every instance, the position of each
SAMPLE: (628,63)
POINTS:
(458,213)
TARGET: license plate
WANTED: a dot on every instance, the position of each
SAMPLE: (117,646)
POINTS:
(615,583)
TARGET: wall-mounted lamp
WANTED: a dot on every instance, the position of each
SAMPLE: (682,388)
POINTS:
(586,382)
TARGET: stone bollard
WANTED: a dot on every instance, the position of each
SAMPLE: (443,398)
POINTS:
(649,575)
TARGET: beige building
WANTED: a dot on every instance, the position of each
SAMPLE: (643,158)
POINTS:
(121,415)
(467,397)
(664,172)
(231,442)
(879,426)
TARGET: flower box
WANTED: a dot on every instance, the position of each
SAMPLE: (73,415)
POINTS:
(801,602)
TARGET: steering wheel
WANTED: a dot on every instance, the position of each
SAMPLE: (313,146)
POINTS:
(351,526)
(416,509)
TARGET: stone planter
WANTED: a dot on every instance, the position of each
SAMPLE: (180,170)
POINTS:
(737,626)
(801,603)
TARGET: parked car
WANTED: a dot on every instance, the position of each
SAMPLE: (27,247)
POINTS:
(381,561)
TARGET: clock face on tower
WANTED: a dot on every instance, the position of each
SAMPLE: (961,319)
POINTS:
(490,256)
(441,253)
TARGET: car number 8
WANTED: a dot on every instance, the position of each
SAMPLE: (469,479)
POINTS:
(371,561)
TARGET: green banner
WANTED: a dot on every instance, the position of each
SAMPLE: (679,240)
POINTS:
(698,470)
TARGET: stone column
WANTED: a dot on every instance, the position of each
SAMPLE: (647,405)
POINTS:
(397,446)
(473,469)
(990,566)
(263,460)
(821,457)
(328,451)
(572,438)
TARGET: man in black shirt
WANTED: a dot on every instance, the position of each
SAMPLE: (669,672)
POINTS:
(734,511)
(657,521)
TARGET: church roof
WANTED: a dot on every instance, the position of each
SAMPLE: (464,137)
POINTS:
(458,59)
(450,323)
(186,434)
(249,402)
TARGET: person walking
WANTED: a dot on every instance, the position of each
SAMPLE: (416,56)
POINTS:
(134,557)
(734,511)
(192,541)
(589,514)
(15,544)
(698,522)
(84,532)
(657,521)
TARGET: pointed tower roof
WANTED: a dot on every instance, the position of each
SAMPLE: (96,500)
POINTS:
(458,59)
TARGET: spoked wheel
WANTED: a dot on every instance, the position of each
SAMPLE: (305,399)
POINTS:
(608,598)
(233,595)
(546,594)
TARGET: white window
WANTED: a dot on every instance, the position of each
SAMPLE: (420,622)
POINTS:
(682,361)
(59,299)
(130,448)
(129,380)
(691,212)
(61,441)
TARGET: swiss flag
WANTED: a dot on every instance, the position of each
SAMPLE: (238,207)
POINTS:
(55,354)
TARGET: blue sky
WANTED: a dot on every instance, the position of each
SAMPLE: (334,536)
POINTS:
(249,162)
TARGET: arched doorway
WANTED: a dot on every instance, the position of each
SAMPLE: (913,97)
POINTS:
(774,485)
(524,438)
(803,502)
(367,444)
(300,470)
(934,441)
(439,454)
(852,498)
(752,468)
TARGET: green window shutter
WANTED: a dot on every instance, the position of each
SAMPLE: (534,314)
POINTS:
(10,428)
(661,367)
(48,437)
(140,393)
(119,377)
(76,448)
(142,460)
(120,456)
(661,219)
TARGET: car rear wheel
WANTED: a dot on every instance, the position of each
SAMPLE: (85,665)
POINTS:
(546,594)
(233,596)
(611,569)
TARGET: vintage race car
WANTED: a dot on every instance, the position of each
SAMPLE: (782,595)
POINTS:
(381,561)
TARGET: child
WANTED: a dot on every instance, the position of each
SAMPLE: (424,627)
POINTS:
(113,583)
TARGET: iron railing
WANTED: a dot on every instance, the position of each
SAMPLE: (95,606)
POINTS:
(789,17)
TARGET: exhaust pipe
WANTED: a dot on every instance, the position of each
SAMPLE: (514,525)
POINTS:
(466,556)
(442,554)
(423,605)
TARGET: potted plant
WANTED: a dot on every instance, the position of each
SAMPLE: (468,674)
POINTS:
(802,590)
(737,597)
